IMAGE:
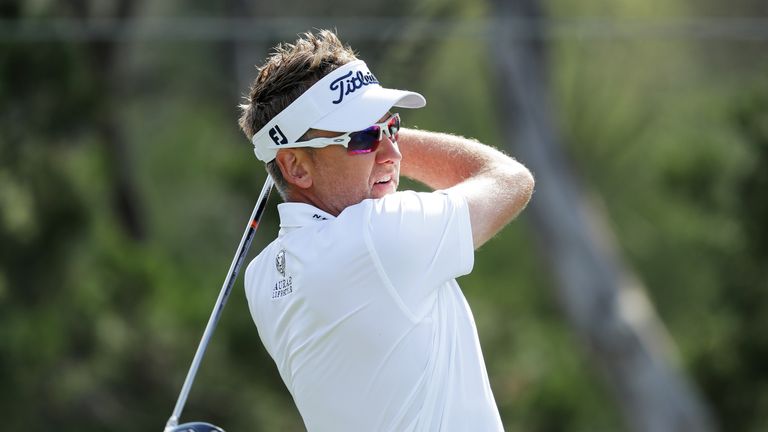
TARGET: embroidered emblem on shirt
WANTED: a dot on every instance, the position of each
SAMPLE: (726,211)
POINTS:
(284,286)
(280,262)
(319,217)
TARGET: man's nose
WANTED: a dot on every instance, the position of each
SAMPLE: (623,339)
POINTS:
(388,151)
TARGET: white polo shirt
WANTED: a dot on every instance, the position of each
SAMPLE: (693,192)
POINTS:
(365,321)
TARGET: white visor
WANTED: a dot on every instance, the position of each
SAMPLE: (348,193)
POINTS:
(346,100)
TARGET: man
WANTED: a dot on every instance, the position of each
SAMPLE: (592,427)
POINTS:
(356,300)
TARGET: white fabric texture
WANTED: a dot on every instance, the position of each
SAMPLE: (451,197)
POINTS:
(365,321)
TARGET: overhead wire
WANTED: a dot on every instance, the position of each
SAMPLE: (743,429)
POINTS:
(267,29)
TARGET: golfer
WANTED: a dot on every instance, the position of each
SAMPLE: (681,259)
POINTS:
(356,300)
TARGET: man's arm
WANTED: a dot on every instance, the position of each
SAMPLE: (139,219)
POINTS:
(496,187)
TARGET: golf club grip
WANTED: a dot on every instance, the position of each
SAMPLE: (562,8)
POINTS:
(226,289)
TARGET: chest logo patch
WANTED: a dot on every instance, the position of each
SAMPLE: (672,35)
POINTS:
(280,262)
(284,286)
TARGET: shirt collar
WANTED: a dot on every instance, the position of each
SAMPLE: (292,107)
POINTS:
(294,215)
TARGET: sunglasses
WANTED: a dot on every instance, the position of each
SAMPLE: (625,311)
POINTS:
(364,141)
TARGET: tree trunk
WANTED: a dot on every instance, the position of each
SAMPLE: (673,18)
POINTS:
(104,56)
(604,301)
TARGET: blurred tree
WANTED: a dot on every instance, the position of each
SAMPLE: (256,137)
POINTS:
(103,58)
(106,277)
(65,270)
(41,215)
(735,376)
(603,299)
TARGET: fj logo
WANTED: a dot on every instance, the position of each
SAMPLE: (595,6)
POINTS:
(277,135)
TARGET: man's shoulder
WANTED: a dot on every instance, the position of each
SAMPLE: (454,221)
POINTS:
(410,217)
(417,203)
(260,259)
(400,200)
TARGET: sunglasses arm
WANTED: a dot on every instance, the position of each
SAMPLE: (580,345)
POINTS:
(317,142)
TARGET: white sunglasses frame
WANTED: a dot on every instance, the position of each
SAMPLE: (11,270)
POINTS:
(344,139)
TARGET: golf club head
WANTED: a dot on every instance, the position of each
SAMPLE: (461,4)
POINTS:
(196,427)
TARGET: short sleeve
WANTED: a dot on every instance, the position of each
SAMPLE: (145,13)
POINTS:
(420,241)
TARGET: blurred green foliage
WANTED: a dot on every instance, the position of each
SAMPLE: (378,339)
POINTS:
(98,321)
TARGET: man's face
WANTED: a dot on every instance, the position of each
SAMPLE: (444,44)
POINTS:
(341,179)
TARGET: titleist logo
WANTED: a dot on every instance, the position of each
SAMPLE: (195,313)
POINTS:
(346,85)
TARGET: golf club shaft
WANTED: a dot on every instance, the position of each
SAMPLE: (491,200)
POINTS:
(226,289)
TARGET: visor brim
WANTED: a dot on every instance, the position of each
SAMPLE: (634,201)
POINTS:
(368,108)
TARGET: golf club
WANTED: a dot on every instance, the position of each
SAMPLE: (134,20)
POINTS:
(242,250)
(196,427)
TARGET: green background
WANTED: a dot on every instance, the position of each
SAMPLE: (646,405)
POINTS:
(125,185)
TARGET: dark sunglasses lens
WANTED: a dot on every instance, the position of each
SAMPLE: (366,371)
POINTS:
(394,126)
(364,141)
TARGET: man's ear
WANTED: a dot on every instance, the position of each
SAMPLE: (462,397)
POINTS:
(295,166)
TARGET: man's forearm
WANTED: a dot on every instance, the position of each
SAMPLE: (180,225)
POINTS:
(441,160)
(496,186)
